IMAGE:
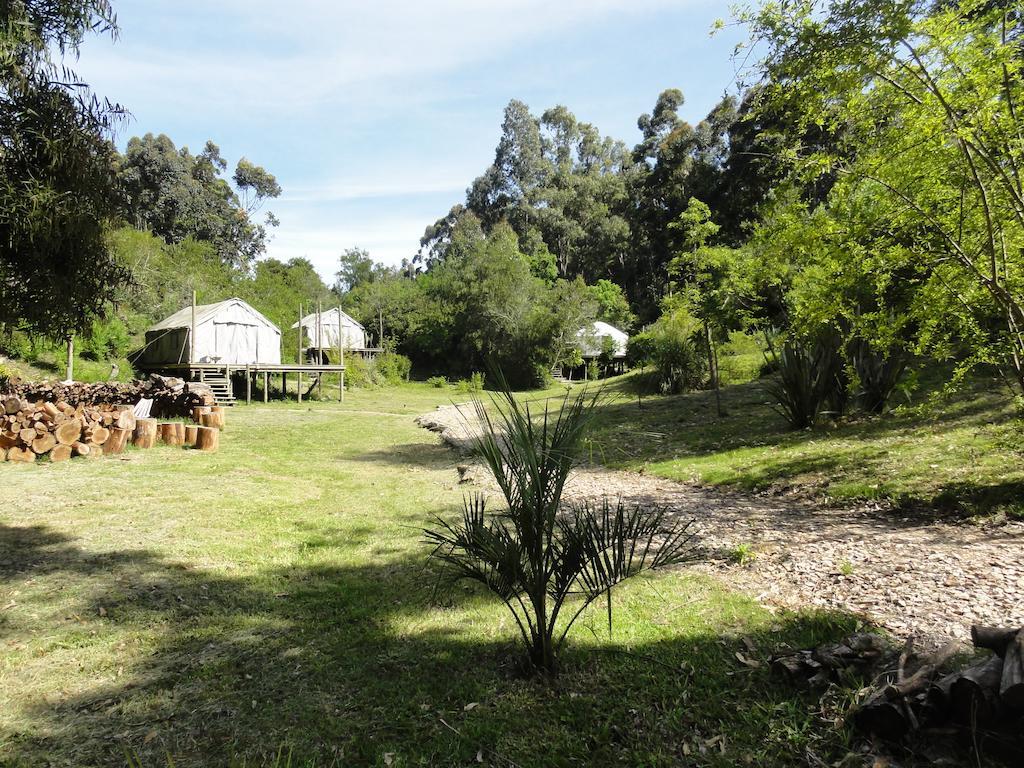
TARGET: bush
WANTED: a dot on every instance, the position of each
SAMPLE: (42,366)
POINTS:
(545,563)
(809,377)
(671,346)
(393,368)
(108,339)
(475,383)
(360,373)
(7,376)
(16,345)
(438,382)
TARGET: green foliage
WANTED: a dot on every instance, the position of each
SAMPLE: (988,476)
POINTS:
(671,346)
(178,195)
(809,375)
(57,187)
(106,339)
(536,560)
(923,100)
(7,376)
(438,382)
(475,383)
(612,305)
(393,368)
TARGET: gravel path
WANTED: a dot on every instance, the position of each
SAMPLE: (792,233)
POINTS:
(913,577)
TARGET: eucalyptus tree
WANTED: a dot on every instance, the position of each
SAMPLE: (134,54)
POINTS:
(57,184)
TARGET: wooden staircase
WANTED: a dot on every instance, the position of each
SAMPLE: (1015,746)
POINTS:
(556,374)
(221,387)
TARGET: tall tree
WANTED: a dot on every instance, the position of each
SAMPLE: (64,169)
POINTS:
(927,97)
(177,195)
(57,185)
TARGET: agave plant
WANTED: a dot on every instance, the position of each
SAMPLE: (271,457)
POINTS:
(548,563)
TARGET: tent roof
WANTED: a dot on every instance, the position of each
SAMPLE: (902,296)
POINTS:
(310,320)
(589,336)
(204,314)
(599,328)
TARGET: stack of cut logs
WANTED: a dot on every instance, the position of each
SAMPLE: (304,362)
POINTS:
(172,397)
(58,430)
(912,691)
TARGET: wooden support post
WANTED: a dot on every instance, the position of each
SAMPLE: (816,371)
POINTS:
(320,347)
(70,372)
(284,385)
(266,386)
(341,360)
(192,334)
(248,386)
(298,388)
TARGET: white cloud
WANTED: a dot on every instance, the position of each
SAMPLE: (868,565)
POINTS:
(278,56)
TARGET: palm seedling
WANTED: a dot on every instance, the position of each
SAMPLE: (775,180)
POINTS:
(548,563)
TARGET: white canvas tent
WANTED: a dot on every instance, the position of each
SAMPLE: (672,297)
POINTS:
(229,332)
(590,340)
(353,335)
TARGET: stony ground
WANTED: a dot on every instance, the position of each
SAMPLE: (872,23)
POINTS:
(912,576)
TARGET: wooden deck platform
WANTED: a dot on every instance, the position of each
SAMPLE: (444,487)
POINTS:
(252,373)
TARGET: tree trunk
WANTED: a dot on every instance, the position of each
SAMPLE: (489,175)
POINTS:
(60,453)
(207,438)
(1011,688)
(116,441)
(144,435)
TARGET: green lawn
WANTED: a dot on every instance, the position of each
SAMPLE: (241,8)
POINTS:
(219,608)
(964,454)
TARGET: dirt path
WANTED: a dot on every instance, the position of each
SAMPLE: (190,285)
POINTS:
(928,579)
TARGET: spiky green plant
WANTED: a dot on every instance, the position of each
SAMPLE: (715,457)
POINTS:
(548,563)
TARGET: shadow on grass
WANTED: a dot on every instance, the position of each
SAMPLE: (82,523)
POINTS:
(751,447)
(344,665)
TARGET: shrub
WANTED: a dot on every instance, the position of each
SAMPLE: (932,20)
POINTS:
(671,346)
(877,375)
(393,367)
(475,383)
(438,382)
(16,345)
(106,340)
(809,375)
(360,372)
(7,376)
(548,566)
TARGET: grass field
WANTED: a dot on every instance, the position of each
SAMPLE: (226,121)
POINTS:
(963,454)
(274,596)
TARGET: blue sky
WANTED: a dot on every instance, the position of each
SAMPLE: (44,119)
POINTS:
(375,116)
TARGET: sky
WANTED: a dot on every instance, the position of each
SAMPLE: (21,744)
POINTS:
(376,115)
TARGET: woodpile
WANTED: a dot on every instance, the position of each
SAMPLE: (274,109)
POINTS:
(58,430)
(913,692)
(172,397)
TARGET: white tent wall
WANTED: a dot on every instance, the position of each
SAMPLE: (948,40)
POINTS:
(228,333)
(591,339)
(352,334)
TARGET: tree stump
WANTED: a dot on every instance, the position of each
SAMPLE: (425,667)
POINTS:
(1011,687)
(198,411)
(191,431)
(144,435)
(60,453)
(69,432)
(974,696)
(169,434)
(116,441)
(207,438)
